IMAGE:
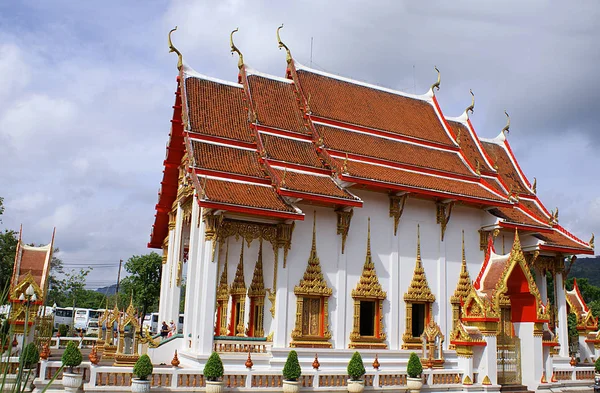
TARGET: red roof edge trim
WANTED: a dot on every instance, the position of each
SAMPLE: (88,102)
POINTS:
(525,227)
(373,160)
(375,132)
(562,230)
(566,250)
(422,191)
(224,141)
(291,165)
(489,160)
(251,210)
(469,343)
(319,198)
(280,132)
(442,118)
(481,319)
(516,164)
(232,176)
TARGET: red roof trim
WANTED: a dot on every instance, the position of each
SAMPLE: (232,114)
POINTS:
(373,160)
(291,165)
(224,141)
(469,343)
(423,191)
(516,163)
(567,250)
(480,319)
(576,287)
(391,135)
(438,112)
(280,132)
(319,198)
(526,227)
(483,152)
(232,176)
(251,210)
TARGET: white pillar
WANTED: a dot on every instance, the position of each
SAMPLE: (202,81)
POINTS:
(341,295)
(532,355)
(395,295)
(174,289)
(488,363)
(586,351)
(190,307)
(466,365)
(205,319)
(164,300)
(542,284)
(442,297)
(194,279)
(562,328)
(281,334)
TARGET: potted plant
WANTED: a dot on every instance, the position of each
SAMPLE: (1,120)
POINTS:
(72,358)
(142,369)
(356,370)
(291,372)
(414,382)
(597,367)
(213,372)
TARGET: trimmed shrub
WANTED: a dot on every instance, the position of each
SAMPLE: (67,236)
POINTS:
(71,356)
(143,367)
(213,369)
(291,370)
(414,368)
(63,329)
(30,356)
(356,368)
(597,365)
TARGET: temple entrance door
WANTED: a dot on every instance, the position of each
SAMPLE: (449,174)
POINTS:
(509,351)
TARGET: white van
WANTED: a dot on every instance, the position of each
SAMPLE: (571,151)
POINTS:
(92,327)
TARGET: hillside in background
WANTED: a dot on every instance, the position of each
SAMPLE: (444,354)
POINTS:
(587,268)
(109,290)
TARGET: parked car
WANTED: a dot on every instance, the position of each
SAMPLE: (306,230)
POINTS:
(92,326)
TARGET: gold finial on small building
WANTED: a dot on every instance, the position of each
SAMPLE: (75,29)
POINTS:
(93,356)
(288,56)
(249,362)
(418,243)
(376,364)
(173,49)
(534,187)
(436,85)
(591,242)
(471,107)
(506,128)
(235,49)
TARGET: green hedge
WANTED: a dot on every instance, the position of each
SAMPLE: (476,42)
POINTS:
(72,356)
(143,367)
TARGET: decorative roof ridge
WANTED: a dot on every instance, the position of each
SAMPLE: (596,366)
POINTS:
(251,71)
(529,214)
(575,291)
(427,97)
(189,72)
(233,180)
(401,138)
(209,142)
(466,122)
(284,168)
(37,248)
(285,136)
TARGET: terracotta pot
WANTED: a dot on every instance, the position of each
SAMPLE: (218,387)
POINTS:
(356,386)
(72,382)
(139,386)
(214,387)
(291,386)
(414,384)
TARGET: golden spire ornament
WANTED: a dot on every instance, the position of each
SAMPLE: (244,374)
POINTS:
(234,49)
(288,56)
(173,49)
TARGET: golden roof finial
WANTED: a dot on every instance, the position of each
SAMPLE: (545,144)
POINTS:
(464,258)
(369,238)
(418,243)
(591,242)
(506,128)
(534,187)
(437,83)
(235,49)
(471,107)
(288,56)
(173,49)
(313,250)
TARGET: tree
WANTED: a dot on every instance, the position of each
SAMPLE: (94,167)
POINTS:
(1,207)
(143,281)
(8,249)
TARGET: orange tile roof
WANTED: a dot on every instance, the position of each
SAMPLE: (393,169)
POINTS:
(290,150)
(217,109)
(469,146)
(506,169)
(243,194)
(561,240)
(312,184)
(275,104)
(226,159)
(533,207)
(33,261)
(411,179)
(517,216)
(395,151)
(369,107)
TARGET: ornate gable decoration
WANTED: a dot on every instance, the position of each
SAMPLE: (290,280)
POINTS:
(257,287)
(238,287)
(368,285)
(419,290)
(464,285)
(313,282)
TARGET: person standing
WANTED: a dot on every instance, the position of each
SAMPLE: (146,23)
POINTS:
(164,330)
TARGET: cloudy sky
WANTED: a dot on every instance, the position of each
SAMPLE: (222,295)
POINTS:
(86,90)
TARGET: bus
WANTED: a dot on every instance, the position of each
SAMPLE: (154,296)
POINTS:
(151,320)
(63,316)
(82,317)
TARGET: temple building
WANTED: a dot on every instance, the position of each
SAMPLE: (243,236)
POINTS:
(316,212)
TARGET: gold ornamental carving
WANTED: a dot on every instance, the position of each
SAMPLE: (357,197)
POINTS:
(257,293)
(444,211)
(212,225)
(238,294)
(312,297)
(223,297)
(397,208)
(433,339)
(369,290)
(463,287)
(343,224)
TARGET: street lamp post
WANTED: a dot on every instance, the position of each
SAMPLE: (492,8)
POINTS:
(27,298)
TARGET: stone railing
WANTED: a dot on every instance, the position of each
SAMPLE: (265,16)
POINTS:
(241,346)
(584,374)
